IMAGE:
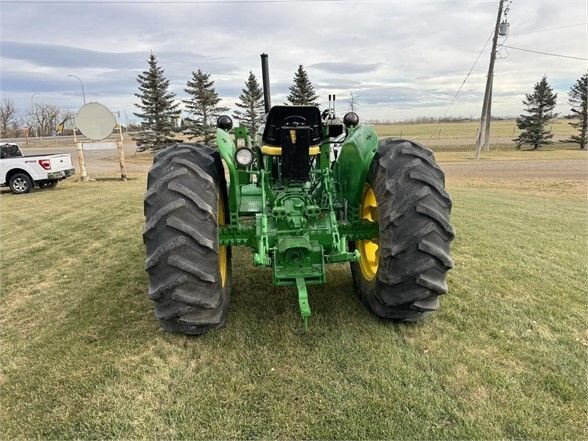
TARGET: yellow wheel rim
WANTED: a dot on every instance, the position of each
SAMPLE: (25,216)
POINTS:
(222,250)
(368,249)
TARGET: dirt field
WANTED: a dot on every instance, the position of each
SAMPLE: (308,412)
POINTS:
(507,166)
(504,164)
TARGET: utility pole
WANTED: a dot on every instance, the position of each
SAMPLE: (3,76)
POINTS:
(484,132)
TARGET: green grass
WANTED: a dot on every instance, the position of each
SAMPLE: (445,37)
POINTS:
(82,357)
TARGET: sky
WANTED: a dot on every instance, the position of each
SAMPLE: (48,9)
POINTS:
(402,59)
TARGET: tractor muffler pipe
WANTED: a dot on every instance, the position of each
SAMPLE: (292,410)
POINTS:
(267,99)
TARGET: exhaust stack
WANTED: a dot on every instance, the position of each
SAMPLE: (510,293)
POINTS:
(267,99)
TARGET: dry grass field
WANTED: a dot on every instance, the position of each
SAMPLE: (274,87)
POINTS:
(464,133)
(81,355)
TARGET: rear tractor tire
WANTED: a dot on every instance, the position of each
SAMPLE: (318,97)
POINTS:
(189,273)
(401,275)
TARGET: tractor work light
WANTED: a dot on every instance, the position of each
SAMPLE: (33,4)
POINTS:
(244,156)
(224,122)
(351,119)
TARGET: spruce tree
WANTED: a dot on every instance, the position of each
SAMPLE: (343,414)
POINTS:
(251,101)
(302,91)
(202,106)
(578,99)
(539,108)
(159,111)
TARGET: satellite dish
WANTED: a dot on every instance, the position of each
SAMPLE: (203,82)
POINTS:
(95,121)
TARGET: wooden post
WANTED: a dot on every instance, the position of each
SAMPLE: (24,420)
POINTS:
(121,154)
(84,174)
(121,160)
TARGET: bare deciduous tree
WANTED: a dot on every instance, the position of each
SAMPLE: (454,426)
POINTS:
(353,101)
(43,118)
(8,117)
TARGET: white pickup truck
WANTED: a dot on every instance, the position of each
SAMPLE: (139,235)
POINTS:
(21,173)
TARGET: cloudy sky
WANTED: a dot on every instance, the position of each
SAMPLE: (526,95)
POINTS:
(403,59)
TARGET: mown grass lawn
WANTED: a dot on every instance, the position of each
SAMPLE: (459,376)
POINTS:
(82,357)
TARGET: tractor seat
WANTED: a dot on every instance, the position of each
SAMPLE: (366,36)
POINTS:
(293,133)
(271,150)
(282,116)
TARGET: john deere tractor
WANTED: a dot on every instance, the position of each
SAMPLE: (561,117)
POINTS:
(380,205)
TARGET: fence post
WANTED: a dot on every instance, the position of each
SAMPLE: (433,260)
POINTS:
(82,162)
(121,154)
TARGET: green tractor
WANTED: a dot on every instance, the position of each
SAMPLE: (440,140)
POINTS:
(379,205)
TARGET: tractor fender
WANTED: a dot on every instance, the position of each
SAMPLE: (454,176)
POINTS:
(353,163)
(226,147)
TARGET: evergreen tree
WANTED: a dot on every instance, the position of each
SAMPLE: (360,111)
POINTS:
(539,107)
(251,101)
(302,91)
(159,111)
(202,106)
(578,99)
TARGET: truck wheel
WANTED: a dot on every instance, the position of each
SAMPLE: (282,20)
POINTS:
(189,273)
(48,184)
(401,275)
(20,183)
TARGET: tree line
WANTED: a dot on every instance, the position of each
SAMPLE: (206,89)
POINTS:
(160,114)
(159,107)
(41,120)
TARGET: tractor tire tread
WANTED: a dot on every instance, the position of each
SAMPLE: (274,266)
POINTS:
(415,233)
(184,187)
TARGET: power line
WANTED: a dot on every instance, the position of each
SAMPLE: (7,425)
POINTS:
(549,29)
(467,75)
(544,53)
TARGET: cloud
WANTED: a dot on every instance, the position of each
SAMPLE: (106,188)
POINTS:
(71,57)
(343,68)
(53,55)
(401,58)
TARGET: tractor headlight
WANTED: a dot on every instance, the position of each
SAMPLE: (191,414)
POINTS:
(244,156)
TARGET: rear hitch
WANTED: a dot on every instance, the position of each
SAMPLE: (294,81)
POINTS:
(303,300)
